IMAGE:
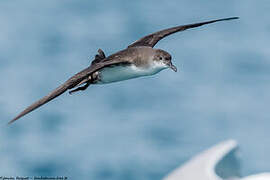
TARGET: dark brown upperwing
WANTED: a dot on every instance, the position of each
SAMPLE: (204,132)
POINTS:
(58,91)
(69,84)
(152,39)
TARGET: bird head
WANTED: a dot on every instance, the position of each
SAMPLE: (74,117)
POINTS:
(165,59)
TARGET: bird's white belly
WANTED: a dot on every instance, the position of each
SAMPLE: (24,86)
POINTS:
(120,73)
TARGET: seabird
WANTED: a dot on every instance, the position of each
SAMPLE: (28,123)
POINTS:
(138,59)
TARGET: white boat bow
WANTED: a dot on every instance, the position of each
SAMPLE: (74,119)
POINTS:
(220,162)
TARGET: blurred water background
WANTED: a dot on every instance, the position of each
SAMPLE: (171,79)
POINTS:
(141,128)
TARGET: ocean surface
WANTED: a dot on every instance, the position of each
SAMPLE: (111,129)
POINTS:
(142,128)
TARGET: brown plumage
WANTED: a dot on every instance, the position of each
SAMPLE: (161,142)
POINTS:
(136,54)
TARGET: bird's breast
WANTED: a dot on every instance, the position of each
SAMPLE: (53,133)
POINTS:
(120,73)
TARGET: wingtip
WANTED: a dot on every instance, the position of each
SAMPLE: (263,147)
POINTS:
(10,122)
(223,19)
(16,118)
(231,18)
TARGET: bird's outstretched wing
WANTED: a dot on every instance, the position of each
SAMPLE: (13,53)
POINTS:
(58,91)
(152,39)
(71,83)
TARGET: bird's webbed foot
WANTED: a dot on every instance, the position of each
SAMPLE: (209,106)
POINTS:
(81,88)
(99,56)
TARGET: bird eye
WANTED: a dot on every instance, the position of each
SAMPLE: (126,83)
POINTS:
(160,58)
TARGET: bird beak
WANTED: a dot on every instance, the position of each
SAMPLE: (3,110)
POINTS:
(173,67)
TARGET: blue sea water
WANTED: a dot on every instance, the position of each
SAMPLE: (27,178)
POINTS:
(141,128)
